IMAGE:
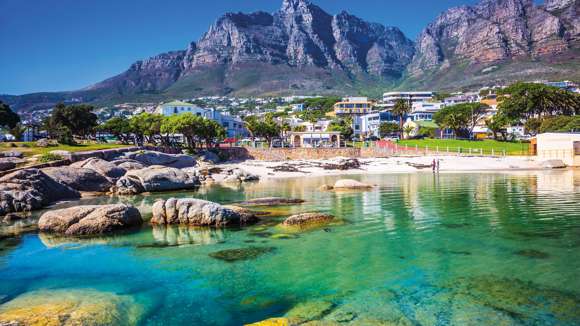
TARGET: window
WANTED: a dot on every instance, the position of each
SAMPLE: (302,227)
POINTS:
(174,110)
(198,114)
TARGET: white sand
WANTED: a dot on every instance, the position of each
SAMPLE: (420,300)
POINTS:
(448,164)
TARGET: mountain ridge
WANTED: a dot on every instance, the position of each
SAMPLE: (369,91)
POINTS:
(302,49)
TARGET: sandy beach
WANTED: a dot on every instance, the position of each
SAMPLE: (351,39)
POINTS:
(420,164)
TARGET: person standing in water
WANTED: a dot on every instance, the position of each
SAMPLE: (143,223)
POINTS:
(434,165)
(438,165)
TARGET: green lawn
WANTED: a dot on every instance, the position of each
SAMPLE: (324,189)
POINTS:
(30,149)
(511,148)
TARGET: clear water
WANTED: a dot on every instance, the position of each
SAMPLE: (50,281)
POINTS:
(419,250)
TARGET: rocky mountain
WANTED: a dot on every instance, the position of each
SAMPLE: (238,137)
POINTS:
(294,48)
(498,40)
(301,49)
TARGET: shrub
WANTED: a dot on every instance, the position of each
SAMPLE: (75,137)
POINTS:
(49,157)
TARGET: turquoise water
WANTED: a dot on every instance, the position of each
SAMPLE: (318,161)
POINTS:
(418,250)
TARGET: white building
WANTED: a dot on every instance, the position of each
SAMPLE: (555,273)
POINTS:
(559,146)
(366,125)
(390,98)
(424,111)
(234,126)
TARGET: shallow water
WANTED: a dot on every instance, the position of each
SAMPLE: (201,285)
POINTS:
(418,250)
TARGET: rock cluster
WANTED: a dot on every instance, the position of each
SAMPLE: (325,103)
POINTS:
(31,189)
(90,220)
(198,212)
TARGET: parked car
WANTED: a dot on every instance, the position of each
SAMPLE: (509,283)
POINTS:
(372,138)
(392,138)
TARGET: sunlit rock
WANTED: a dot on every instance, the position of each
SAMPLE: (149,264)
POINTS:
(70,307)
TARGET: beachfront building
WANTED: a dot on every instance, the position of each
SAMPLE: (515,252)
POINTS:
(424,111)
(353,106)
(559,146)
(234,126)
(390,98)
(366,125)
(328,139)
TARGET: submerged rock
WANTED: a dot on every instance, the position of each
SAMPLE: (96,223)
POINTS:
(90,220)
(199,213)
(346,184)
(235,175)
(308,219)
(101,166)
(233,255)
(79,178)
(516,297)
(312,310)
(272,201)
(31,189)
(531,253)
(70,307)
(154,179)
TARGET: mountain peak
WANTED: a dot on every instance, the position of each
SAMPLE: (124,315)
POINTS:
(294,4)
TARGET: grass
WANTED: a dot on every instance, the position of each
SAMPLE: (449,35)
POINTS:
(30,148)
(510,148)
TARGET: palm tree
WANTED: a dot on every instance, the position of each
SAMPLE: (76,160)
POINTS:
(401,109)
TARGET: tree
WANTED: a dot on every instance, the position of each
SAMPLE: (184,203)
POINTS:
(497,125)
(527,100)
(17,131)
(532,125)
(560,124)
(401,109)
(119,127)
(78,118)
(8,118)
(267,128)
(461,118)
(211,132)
(344,126)
(145,126)
(299,128)
(187,124)
(407,130)
(388,128)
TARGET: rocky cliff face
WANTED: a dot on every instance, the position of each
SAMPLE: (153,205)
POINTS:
(299,35)
(496,31)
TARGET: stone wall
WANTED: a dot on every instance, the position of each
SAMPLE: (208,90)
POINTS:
(284,154)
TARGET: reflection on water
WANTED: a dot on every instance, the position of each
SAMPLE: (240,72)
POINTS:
(420,249)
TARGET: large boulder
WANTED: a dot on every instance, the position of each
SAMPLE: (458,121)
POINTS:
(308,219)
(553,164)
(148,158)
(272,201)
(71,307)
(79,178)
(90,220)
(198,212)
(155,178)
(102,167)
(6,164)
(30,189)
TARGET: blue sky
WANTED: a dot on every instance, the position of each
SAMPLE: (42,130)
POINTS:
(55,45)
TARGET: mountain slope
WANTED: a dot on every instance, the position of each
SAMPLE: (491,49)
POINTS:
(498,41)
